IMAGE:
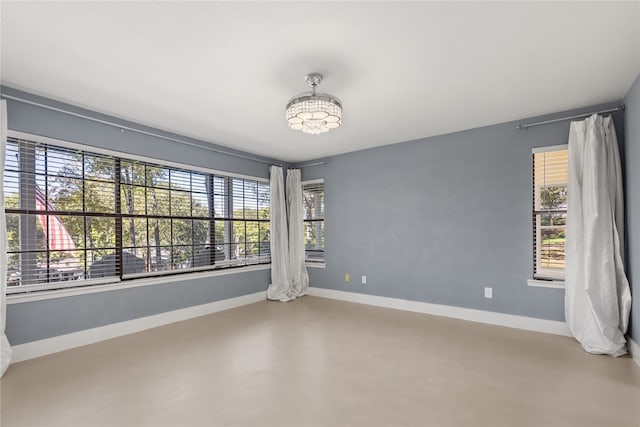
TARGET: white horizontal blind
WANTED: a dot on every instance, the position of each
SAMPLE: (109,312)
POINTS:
(313,216)
(550,179)
(77,218)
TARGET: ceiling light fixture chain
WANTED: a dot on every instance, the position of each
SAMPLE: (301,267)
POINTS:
(313,112)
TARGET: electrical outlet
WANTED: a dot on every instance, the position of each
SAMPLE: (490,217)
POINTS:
(364,280)
(347,277)
(488,292)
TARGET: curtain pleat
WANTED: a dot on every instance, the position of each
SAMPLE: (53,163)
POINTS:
(297,268)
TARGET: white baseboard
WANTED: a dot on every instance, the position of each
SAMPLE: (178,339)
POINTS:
(634,350)
(481,316)
(43,347)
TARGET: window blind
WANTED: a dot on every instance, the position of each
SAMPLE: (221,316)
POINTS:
(77,218)
(313,217)
(550,179)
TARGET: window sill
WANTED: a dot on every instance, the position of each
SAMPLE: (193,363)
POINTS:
(315,264)
(148,281)
(554,284)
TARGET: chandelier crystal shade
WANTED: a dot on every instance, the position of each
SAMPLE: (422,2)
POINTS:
(312,112)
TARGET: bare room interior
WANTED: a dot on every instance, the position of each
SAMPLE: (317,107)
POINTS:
(320,213)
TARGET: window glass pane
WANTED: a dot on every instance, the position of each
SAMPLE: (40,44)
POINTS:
(237,187)
(314,235)
(250,189)
(134,232)
(199,183)
(66,265)
(11,161)
(180,180)
(101,263)
(100,232)
(159,232)
(63,231)
(220,185)
(136,260)
(180,203)
(220,207)
(157,202)
(551,197)
(551,239)
(263,209)
(132,199)
(200,232)
(11,188)
(251,208)
(551,175)
(226,251)
(157,176)
(59,162)
(98,167)
(313,204)
(63,194)
(13,232)
(160,258)
(202,256)
(239,231)
(220,232)
(99,197)
(181,232)
(200,204)
(238,207)
(132,173)
(32,236)
(237,251)
(263,191)
(181,257)
(264,245)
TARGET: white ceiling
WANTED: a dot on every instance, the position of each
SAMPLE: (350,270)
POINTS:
(223,72)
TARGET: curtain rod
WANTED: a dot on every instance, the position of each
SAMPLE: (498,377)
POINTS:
(140,131)
(577,116)
(304,165)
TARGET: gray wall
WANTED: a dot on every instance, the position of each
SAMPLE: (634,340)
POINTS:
(438,219)
(432,220)
(632,192)
(31,321)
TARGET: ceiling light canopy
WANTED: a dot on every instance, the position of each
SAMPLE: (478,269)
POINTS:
(312,112)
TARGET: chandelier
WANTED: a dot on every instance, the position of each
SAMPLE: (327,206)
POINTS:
(312,112)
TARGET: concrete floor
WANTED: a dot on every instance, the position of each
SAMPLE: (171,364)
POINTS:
(318,362)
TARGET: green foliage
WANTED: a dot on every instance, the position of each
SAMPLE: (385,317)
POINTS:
(553,197)
(88,184)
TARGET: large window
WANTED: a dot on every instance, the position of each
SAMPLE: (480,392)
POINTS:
(313,209)
(76,218)
(550,178)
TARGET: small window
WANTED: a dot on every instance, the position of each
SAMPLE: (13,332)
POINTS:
(550,178)
(313,210)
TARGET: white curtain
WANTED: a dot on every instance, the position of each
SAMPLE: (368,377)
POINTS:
(279,289)
(289,278)
(597,298)
(5,348)
(297,268)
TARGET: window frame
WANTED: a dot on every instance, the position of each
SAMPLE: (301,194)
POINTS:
(545,278)
(90,285)
(316,263)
